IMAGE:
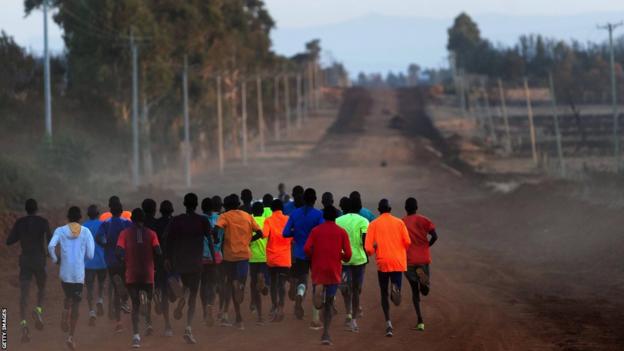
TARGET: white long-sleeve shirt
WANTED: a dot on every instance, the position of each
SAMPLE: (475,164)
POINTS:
(74,249)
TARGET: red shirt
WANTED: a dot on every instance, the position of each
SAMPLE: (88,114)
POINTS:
(418,227)
(139,254)
(327,246)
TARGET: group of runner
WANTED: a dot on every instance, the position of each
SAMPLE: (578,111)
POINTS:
(172,259)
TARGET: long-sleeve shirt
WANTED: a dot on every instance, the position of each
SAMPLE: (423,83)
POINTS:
(98,261)
(185,242)
(107,235)
(327,246)
(33,234)
(76,244)
(300,223)
(388,240)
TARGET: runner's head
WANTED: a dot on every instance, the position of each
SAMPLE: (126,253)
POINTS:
(345,204)
(355,194)
(138,216)
(93,212)
(355,205)
(217,203)
(309,197)
(246,196)
(257,209)
(231,202)
(277,205)
(206,205)
(73,214)
(411,206)
(384,206)
(149,207)
(166,208)
(281,188)
(113,200)
(31,206)
(266,200)
(327,199)
(190,202)
(330,213)
(298,200)
(115,206)
(297,189)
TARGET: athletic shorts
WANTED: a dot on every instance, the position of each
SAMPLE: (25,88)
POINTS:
(191,280)
(236,270)
(330,289)
(26,273)
(411,275)
(73,291)
(301,267)
(353,274)
(256,268)
(389,277)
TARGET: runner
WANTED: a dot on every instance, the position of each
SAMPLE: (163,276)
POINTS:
(388,240)
(258,272)
(136,247)
(327,246)
(224,304)
(278,258)
(353,270)
(267,199)
(238,228)
(149,211)
(33,234)
(296,201)
(108,215)
(418,255)
(246,197)
(107,236)
(211,260)
(363,211)
(281,193)
(184,251)
(298,227)
(162,293)
(327,200)
(95,268)
(76,243)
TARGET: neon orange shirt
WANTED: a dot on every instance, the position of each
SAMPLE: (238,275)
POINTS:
(388,239)
(278,248)
(106,215)
(418,227)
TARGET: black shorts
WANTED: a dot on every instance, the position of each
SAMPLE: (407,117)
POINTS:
(27,272)
(73,291)
(411,275)
(301,267)
(191,280)
(236,270)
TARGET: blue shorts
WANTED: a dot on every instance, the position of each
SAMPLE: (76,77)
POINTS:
(330,289)
(236,270)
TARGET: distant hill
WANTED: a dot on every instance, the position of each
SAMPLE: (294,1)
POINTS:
(376,43)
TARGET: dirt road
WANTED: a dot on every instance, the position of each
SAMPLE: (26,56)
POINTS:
(475,304)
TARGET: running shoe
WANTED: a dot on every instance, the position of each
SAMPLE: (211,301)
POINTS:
(188,336)
(239,325)
(319,297)
(299,312)
(423,281)
(70,343)
(316,325)
(260,322)
(125,307)
(149,330)
(99,307)
(65,321)
(395,295)
(168,332)
(92,318)
(143,302)
(25,332)
(119,327)
(354,326)
(224,322)
(239,292)
(38,317)
(120,287)
(280,314)
(419,327)
(136,341)
(347,323)
(179,310)
(176,288)
(389,331)
(360,312)
(326,340)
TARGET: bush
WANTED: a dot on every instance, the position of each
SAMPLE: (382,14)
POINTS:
(67,158)
(15,188)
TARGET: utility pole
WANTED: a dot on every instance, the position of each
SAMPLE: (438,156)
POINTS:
(287,103)
(616,124)
(220,125)
(553,99)
(488,112)
(276,122)
(135,110)
(531,125)
(46,73)
(260,113)
(187,132)
(503,101)
(244,119)
(299,107)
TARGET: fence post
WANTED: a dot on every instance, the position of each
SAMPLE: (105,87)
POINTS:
(531,125)
(553,100)
(501,93)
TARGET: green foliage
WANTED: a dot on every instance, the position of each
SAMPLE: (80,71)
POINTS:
(464,39)
(14,185)
(67,158)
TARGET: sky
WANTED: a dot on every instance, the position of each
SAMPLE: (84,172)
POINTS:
(293,17)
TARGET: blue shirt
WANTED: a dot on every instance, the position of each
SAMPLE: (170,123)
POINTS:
(366,213)
(289,207)
(108,233)
(217,247)
(98,261)
(300,223)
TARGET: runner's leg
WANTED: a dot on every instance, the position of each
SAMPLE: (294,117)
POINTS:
(384,280)
(133,292)
(412,279)
(25,278)
(40,279)
(90,282)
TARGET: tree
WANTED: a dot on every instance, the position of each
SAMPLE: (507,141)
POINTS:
(464,38)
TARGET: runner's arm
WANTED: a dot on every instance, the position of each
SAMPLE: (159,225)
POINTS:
(90,246)
(13,236)
(257,235)
(434,237)
(288,229)
(52,247)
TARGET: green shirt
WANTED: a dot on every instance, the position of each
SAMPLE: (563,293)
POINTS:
(258,247)
(355,225)
(267,212)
